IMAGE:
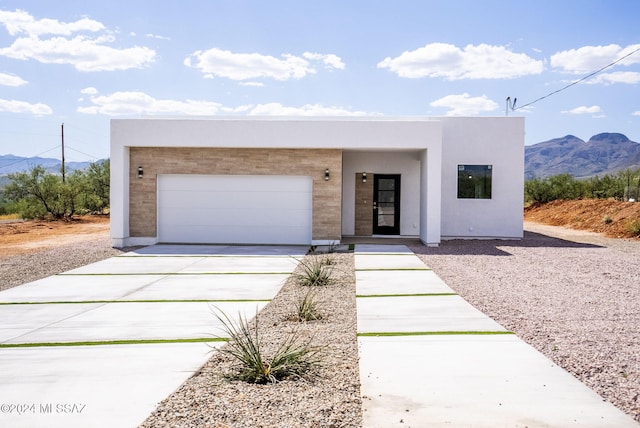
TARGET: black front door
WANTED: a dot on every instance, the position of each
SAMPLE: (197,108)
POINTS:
(386,204)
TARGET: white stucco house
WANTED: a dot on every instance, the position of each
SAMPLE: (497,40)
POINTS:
(315,181)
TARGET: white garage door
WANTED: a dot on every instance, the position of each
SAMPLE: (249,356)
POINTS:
(234,209)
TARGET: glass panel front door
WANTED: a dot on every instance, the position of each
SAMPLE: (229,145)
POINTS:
(386,204)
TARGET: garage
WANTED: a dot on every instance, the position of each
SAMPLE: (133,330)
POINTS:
(234,209)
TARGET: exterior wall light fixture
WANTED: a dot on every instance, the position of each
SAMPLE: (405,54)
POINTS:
(140,172)
(326,174)
(364,177)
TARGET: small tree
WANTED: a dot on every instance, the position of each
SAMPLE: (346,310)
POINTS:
(96,187)
(42,193)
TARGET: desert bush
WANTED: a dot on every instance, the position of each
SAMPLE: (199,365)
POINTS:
(634,227)
(607,220)
(562,186)
(314,271)
(294,357)
(308,307)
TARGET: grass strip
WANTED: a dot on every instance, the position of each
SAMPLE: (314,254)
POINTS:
(434,333)
(71,302)
(364,296)
(114,342)
(392,269)
(173,273)
(210,256)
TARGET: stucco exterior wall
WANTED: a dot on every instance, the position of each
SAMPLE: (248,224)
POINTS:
(327,195)
(496,141)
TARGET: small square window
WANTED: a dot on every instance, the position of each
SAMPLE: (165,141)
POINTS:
(474,181)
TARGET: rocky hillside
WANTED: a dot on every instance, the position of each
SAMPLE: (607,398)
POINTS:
(603,154)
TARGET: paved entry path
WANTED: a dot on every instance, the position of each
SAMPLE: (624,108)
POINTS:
(430,359)
(102,345)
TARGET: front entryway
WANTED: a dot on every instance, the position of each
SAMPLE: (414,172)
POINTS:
(386,204)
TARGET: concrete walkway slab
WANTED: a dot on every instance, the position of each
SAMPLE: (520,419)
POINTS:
(421,314)
(212,287)
(119,385)
(388,261)
(264,264)
(382,249)
(18,320)
(125,321)
(69,288)
(135,266)
(400,282)
(93,386)
(473,381)
(418,377)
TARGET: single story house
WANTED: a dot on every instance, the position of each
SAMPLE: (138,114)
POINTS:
(315,181)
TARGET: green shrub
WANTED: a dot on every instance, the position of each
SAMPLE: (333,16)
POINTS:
(607,220)
(294,358)
(634,227)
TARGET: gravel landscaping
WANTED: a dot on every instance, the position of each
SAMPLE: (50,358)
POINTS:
(330,399)
(575,297)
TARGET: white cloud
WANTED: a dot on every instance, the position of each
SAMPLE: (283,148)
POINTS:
(453,63)
(584,110)
(63,44)
(329,60)
(277,109)
(465,105)
(256,84)
(14,106)
(636,113)
(139,103)
(89,91)
(242,66)
(155,36)
(629,77)
(21,22)
(591,58)
(11,80)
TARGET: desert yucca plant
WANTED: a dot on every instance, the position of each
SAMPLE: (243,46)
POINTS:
(294,358)
(314,271)
(308,307)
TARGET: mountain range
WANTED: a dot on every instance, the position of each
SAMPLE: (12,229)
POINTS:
(605,153)
(11,163)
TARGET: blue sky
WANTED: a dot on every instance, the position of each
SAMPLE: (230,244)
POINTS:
(83,63)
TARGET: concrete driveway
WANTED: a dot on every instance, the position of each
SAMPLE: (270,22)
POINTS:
(103,344)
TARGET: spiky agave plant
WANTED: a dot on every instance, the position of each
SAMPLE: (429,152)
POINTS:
(313,271)
(294,358)
(308,307)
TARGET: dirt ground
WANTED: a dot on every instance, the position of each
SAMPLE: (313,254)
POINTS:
(22,237)
(610,217)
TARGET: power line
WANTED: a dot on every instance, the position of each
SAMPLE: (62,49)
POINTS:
(513,108)
(34,156)
(83,153)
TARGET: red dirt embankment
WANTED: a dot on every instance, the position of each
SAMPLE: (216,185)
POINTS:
(29,236)
(613,218)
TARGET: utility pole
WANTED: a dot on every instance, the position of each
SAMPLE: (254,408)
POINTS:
(62,136)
